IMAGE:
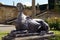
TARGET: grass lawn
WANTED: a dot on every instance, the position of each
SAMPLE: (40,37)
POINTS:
(57,35)
(2,34)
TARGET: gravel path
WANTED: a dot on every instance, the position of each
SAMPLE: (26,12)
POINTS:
(6,27)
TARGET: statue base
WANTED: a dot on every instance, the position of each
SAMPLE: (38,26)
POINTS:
(23,35)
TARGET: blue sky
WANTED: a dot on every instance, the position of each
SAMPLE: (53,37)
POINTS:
(25,2)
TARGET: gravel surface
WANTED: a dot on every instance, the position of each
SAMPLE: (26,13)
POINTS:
(6,27)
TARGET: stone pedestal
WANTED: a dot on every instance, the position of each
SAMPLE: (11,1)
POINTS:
(37,37)
(28,36)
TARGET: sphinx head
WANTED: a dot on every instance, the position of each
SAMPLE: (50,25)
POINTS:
(20,7)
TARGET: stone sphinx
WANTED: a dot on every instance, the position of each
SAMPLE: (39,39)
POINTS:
(24,22)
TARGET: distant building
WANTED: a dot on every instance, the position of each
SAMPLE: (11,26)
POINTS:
(43,7)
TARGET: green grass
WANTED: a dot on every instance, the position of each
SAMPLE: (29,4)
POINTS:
(57,35)
(2,34)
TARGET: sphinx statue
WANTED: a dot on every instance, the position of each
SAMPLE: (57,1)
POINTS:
(24,22)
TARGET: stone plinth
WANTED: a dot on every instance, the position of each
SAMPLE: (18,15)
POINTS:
(28,36)
(36,37)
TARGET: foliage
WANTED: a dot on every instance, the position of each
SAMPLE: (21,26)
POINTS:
(54,23)
(1,3)
(57,8)
(28,7)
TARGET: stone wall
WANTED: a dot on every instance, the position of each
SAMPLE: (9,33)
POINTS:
(7,12)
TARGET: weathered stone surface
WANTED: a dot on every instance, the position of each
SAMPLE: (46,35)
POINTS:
(17,35)
(37,37)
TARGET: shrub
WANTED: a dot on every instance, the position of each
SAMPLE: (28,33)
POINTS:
(54,23)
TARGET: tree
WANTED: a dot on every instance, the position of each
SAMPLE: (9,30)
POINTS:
(1,3)
(33,8)
(38,6)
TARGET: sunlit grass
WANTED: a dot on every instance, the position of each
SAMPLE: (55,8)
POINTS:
(57,35)
(2,34)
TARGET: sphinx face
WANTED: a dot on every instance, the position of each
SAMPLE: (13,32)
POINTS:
(20,7)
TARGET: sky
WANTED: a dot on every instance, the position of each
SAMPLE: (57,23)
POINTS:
(24,2)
